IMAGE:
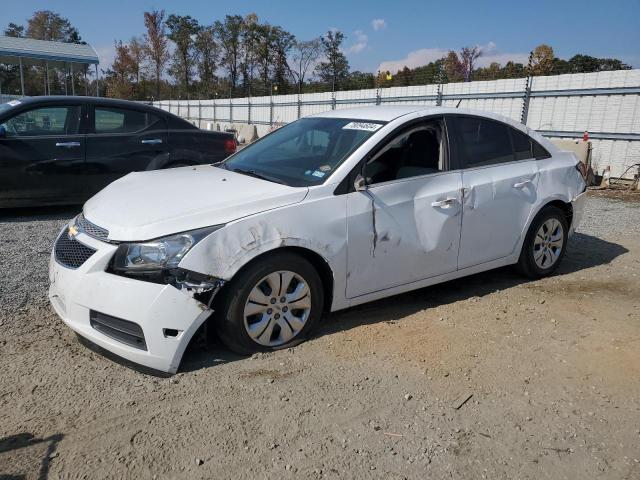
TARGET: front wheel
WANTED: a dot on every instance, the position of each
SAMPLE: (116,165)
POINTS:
(273,303)
(545,243)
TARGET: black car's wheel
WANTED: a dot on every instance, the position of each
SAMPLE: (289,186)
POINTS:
(545,243)
(274,303)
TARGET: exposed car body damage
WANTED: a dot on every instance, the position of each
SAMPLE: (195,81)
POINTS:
(390,237)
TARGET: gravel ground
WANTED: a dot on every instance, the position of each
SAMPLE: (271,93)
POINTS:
(485,377)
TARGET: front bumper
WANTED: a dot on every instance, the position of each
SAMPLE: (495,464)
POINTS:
(577,206)
(73,293)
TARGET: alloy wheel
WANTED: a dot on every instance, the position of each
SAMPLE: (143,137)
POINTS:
(277,308)
(547,245)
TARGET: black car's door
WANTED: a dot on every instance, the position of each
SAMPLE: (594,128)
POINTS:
(122,140)
(42,156)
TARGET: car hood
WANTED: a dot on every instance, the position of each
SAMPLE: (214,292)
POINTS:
(147,205)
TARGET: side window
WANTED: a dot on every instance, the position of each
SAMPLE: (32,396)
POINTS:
(482,142)
(121,120)
(521,145)
(62,120)
(412,153)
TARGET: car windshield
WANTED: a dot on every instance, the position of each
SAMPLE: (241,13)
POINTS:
(303,153)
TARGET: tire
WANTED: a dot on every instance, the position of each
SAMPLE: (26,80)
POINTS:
(274,320)
(552,225)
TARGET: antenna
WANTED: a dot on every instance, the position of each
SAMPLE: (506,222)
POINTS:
(459,102)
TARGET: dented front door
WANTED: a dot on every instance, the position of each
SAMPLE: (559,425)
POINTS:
(403,231)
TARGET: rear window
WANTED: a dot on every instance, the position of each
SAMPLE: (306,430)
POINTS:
(483,142)
(122,120)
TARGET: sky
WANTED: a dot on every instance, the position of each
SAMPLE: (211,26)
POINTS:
(382,34)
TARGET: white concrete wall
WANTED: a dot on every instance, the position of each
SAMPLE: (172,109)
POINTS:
(594,113)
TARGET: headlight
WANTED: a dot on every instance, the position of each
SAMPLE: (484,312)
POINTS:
(160,254)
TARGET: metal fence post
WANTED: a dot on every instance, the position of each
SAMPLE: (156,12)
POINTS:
(199,113)
(299,106)
(214,110)
(249,110)
(378,98)
(271,108)
(230,111)
(527,92)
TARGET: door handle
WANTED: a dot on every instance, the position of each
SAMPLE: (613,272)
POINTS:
(67,144)
(447,202)
(152,141)
(521,184)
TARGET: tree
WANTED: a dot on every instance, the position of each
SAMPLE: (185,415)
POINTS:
(453,67)
(207,53)
(155,44)
(48,25)
(249,39)
(335,67)
(305,54)
(14,30)
(182,32)
(542,60)
(283,41)
(228,33)
(138,57)
(119,77)
(468,56)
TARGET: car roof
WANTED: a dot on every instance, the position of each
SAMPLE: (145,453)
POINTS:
(388,113)
(78,98)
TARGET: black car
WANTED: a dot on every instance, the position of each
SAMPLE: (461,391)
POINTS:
(63,150)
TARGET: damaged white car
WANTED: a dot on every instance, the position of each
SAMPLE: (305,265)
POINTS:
(328,212)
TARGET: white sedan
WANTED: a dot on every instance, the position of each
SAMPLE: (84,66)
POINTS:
(328,212)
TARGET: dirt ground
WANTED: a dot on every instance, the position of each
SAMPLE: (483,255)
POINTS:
(491,376)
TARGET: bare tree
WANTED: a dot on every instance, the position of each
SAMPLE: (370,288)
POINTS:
(156,43)
(468,57)
(305,55)
(208,54)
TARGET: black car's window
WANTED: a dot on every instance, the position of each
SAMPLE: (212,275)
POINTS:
(521,145)
(305,152)
(122,120)
(58,120)
(482,142)
(416,151)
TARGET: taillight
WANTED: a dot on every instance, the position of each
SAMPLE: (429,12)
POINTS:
(582,168)
(230,145)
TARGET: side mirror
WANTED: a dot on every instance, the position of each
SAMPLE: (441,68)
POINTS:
(3,131)
(360,184)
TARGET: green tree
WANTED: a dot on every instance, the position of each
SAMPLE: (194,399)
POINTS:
(229,36)
(208,54)
(334,69)
(48,25)
(182,32)
(14,30)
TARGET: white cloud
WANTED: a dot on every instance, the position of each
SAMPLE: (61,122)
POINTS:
(417,58)
(106,54)
(361,42)
(414,59)
(378,24)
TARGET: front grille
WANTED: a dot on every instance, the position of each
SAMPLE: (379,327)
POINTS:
(124,331)
(91,229)
(71,253)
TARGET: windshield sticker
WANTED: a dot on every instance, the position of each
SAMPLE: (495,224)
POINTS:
(368,127)
(325,168)
(318,174)
(14,103)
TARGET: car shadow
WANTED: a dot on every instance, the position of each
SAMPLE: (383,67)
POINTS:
(583,252)
(25,440)
(20,215)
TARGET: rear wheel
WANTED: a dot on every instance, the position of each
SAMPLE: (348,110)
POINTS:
(545,243)
(274,303)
